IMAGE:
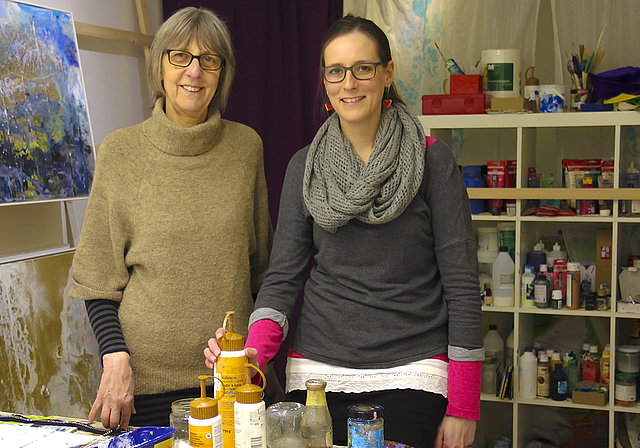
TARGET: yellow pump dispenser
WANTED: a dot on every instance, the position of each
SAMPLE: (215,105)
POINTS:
(249,412)
(229,369)
(205,425)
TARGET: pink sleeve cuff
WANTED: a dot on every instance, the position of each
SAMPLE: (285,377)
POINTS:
(265,336)
(464,389)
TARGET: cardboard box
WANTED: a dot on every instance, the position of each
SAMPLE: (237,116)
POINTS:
(603,263)
(512,104)
(463,84)
(590,398)
(453,104)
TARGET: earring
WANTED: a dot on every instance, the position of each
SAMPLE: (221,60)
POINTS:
(387,102)
(328,107)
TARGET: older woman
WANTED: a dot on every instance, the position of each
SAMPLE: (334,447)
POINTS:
(391,312)
(177,229)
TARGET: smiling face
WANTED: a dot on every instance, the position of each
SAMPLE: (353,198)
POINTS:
(357,103)
(189,90)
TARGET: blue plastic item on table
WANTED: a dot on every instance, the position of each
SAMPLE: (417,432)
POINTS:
(143,437)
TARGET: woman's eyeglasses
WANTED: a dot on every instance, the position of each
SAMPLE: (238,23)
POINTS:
(362,72)
(182,58)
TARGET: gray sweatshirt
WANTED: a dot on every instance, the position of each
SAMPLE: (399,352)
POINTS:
(379,295)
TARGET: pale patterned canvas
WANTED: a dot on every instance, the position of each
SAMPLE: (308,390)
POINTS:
(46,146)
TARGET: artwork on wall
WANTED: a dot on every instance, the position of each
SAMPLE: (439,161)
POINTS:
(46,145)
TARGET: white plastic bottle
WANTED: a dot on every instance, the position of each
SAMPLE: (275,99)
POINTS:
(493,344)
(556,254)
(503,278)
(528,375)
(249,413)
(205,424)
(527,297)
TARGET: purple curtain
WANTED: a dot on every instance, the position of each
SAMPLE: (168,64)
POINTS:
(275,90)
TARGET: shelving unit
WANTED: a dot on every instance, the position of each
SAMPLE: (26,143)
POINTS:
(542,141)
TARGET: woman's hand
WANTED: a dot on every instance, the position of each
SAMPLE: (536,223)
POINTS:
(115,395)
(455,432)
(212,352)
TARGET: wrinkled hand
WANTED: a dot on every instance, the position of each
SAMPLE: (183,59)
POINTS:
(455,432)
(115,395)
(212,352)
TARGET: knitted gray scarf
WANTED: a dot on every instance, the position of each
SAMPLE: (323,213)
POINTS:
(338,186)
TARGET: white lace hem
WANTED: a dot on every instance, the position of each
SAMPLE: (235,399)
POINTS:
(429,375)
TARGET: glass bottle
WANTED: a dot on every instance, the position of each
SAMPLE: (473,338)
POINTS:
(317,426)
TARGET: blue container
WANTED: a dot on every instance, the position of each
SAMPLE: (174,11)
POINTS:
(472,176)
(144,437)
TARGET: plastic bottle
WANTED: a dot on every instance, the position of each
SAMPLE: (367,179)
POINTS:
(503,278)
(508,349)
(493,344)
(573,372)
(205,424)
(558,384)
(249,413)
(556,299)
(537,257)
(556,254)
(589,371)
(229,369)
(555,359)
(542,288)
(527,297)
(573,286)
(594,355)
(631,181)
(528,375)
(317,426)
(605,365)
(588,206)
(543,376)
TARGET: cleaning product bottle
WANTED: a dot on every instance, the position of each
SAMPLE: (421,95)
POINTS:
(527,297)
(542,288)
(316,426)
(249,411)
(528,375)
(229,369)
(605,364)
(594,355)
(543,376)
(573,372)
(556,254)
(537,256)
(205,424)
(503,278)
(493,344)
(558,384)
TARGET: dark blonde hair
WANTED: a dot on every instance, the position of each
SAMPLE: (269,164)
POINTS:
(210,33)
(351,23)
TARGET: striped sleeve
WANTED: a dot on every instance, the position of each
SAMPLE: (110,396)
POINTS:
(103,316)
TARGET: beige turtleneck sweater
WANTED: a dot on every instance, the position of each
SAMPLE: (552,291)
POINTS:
(177,230)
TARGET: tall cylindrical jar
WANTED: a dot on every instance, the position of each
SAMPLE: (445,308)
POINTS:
(503,278)
(573,286)
(179,419)
(317,426)
(365,426)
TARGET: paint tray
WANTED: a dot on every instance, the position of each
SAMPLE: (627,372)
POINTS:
(143,437)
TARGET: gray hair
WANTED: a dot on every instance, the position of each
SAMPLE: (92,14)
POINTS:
(176,32)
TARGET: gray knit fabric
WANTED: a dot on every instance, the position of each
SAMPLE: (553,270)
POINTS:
(338,186)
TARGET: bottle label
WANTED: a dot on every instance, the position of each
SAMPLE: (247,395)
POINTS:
(250,430)
(540,294)
(230,371)
(506,280)
(543,381)
(316,398)
(625,393)
(201,436)
(562,387)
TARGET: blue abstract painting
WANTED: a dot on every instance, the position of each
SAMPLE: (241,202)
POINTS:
(46,145)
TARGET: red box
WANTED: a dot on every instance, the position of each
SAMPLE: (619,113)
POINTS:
(453,104)
(463,84)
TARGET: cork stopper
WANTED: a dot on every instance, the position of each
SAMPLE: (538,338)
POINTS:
(204,407)
(230,341)
(250,393)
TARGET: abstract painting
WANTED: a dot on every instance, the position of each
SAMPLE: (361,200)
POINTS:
(46,145)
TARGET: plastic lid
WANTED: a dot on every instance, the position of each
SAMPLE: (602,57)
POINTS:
(315,384)
(558,365)
(556,294)
(204,407)
(365,411)
(585,346)
(626,376)
(544,358)
(230,341)
(543,268)
(539,247)
(573,266)
(528,349)
(555,356)
(504,249)
(493,327)
(556,246)
(250,393)
(593,349)
(629,349)
(632,169)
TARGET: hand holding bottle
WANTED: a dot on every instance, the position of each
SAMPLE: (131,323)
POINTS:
(213,351)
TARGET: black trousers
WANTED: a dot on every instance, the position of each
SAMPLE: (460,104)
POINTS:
(154,409)
(411,417)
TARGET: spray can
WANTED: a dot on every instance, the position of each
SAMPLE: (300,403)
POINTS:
(205,424)
(249,413)
(229,369)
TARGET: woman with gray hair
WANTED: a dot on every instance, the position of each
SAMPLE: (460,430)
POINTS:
(177,228)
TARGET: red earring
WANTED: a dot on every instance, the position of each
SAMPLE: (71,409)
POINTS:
(387,103)
(328,106)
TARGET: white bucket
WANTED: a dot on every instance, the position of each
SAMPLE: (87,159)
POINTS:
(487,244)
(552,98)
(501,73)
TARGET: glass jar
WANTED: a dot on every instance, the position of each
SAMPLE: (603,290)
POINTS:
(365,426)
(625,389)
(179,420)
(284,422)
(628,359)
